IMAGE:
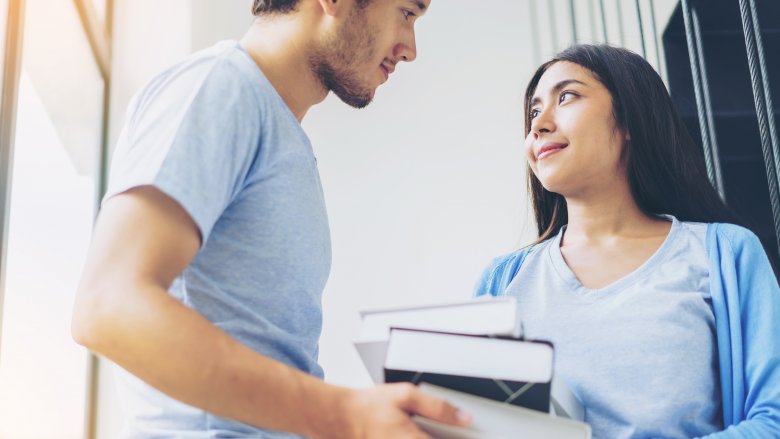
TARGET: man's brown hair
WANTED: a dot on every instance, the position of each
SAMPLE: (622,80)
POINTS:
(265,7)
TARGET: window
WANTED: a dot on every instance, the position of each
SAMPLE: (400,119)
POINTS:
(3,19)
(100,8)
(43,373)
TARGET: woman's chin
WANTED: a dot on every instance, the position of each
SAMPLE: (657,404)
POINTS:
(552,184)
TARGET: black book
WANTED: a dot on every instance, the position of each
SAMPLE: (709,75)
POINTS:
(504,369)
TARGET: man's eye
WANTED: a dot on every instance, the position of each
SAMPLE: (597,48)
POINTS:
(407,13)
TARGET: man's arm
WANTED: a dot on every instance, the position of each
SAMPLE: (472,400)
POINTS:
(143,239)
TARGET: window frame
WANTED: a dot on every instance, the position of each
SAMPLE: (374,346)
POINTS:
(9,94)
(98,33)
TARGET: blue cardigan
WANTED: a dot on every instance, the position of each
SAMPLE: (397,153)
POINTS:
(746,304)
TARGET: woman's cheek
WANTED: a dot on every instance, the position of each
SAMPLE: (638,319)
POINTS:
(529,149)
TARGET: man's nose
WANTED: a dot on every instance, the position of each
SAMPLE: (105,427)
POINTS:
(407,50)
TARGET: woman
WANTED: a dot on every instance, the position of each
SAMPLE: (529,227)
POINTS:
(662,313)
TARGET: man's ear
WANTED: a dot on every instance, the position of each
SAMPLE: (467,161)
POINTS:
(330,7)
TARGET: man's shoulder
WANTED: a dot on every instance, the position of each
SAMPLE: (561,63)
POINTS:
(223,71)
(212,87)
(228,63)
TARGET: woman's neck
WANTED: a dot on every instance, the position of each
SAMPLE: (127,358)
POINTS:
(608,215)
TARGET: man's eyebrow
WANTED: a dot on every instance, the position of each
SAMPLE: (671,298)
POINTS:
(420,5)
(558,87)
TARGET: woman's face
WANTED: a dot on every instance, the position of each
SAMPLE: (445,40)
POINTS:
(574,146)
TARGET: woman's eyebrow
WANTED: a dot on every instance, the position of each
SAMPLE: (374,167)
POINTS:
(558,87)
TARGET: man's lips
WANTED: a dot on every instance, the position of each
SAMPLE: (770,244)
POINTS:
(387,69)
(549,148)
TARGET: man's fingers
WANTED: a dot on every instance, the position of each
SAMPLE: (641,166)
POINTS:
(416,402)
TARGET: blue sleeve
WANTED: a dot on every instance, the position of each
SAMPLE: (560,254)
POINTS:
(499,273)
(193,133)
(748,336)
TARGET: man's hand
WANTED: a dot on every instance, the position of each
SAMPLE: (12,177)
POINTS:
(385,412)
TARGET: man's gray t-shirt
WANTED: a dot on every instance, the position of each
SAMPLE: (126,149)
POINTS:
(213,134)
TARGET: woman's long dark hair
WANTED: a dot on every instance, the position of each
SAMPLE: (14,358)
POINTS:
(666,172)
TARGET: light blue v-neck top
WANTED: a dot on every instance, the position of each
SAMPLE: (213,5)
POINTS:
(639,353)
(745,301)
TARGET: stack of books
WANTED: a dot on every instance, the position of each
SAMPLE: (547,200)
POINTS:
(473,354)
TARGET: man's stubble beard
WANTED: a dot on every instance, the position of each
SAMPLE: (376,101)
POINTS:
(336,60)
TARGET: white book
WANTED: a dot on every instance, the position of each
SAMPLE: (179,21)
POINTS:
(494,316)
(485,315)
(466,355)
(495,420)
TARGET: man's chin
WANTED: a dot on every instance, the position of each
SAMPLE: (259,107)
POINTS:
(355,100)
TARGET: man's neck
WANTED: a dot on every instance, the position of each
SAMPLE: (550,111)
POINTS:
(281,50)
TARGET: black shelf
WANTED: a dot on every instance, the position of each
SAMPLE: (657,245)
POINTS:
(731,95)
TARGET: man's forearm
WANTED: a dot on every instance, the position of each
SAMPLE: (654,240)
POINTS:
(179,352)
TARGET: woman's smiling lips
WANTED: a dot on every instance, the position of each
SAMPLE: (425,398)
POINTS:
(549,149)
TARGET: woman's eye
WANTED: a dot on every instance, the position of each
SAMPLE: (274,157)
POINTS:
(533,113)
(407,13)
(565,96)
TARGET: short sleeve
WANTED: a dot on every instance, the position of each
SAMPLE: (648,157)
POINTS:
(193,133)
(499,273)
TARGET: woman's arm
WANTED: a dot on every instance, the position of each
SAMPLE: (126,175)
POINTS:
(748,336)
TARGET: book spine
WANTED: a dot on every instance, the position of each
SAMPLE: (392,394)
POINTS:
(534,396)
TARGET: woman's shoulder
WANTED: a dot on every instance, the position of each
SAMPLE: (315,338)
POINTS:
(513,260)
(733,235)
(719,234)
(502,269)
(504,262)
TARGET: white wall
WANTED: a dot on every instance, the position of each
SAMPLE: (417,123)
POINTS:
(426,185)
(148,36)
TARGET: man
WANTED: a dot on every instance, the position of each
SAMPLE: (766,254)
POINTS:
(212,247)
